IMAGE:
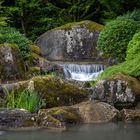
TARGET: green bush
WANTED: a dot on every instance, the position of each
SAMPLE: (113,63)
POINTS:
(133,15)
(131,67)
(113,40)
(11,35)
(133,49)
(29,100)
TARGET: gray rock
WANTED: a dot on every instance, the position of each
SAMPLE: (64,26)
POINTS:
(11,63)
(122,91)
(97,112)
(10,118)
(75,41)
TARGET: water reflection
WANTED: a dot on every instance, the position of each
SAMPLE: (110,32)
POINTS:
(112,131)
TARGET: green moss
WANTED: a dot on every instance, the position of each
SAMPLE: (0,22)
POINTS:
(89,24)
(35,49)
(57,92)
(33,71)
(63,114)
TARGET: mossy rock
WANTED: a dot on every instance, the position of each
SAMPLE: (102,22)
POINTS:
(54,91)
(33,71)
(11,63)
(57,92)
(73,41)
(120,90)
(63,114)
(132,82)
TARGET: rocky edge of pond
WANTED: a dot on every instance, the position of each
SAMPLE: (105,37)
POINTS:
(116,98)
(119,101)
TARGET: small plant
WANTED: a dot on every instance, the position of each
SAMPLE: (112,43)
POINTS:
(29,100)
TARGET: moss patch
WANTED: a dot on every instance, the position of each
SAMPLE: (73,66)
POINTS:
(63,114)
(57,92)
(87,23)
(35,49)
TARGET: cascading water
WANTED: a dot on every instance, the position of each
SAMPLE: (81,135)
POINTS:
(82,72)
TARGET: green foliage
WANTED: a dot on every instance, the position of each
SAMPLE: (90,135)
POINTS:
(34,17)
(11,35)
(118,7)
(131,67)
(133,50)
(3,17)
(29,100)
(133,15)
(113,40)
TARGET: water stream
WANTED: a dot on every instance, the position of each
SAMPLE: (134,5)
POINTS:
(82,72)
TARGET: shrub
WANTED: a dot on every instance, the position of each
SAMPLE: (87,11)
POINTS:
(133,15)
(11,35)
(113,40)
(29,100)
(131,67)
(133,49)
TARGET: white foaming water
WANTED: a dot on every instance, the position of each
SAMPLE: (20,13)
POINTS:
(82,72)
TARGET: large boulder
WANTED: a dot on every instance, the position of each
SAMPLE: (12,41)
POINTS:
(55,91)
(38,65)
(58,92)
(11,63)
(73,41)
(85,112)
(97,112)
(120,90)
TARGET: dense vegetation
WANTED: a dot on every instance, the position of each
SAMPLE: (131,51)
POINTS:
(131,66)
(122,46)
(33,17)
(115,37)
(11,35)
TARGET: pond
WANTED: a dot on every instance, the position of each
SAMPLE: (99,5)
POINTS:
(109,131)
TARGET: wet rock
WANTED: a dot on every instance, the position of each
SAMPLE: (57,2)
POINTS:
(121,90)
(10,118)
(97,112)
(11,63)
(73,41)
(129,115)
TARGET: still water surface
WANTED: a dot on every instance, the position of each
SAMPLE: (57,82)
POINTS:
(111,131)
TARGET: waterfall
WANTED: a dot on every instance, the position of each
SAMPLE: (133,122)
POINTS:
(82,72)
